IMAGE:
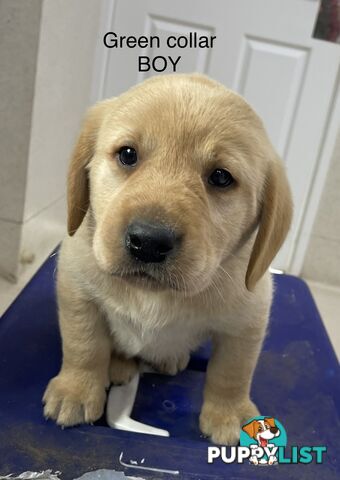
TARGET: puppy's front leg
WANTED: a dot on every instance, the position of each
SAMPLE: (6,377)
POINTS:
(77,394)
(226,394)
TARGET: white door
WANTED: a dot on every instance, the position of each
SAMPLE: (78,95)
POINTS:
(264,50)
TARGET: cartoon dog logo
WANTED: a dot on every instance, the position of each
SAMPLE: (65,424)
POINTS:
(262,431)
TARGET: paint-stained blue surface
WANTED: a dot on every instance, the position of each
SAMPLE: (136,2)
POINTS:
(297,381)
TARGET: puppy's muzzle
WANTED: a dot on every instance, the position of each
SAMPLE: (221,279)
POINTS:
(150,242)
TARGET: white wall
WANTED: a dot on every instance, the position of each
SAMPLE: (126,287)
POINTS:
(67,36)
(19,41)
(322,261)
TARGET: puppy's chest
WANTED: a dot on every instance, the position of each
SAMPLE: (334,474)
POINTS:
(154,334)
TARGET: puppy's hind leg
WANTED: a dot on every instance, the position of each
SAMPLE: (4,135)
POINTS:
(122,370)
(171,365)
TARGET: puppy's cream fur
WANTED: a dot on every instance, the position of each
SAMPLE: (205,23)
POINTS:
(183,127)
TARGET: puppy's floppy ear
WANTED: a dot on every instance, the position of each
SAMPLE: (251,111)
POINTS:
(77,180)
(249,428)
(275,219)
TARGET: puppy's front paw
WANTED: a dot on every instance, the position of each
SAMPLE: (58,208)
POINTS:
(222,422)
(73,398)
(172,366)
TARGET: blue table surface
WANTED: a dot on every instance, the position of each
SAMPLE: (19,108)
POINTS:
(297,381)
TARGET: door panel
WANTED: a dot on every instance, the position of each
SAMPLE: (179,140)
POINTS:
(271,77)
(191,59)
(264,50)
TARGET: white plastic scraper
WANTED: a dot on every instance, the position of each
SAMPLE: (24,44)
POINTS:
(119,407)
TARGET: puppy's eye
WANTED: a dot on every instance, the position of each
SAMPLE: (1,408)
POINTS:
(128,156)
(221,178)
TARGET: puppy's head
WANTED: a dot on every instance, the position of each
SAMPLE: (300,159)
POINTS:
(177,174)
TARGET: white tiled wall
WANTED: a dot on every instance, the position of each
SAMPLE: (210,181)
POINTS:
(49,84)
(10,241)
(322,261)
(19,41)
(62,93)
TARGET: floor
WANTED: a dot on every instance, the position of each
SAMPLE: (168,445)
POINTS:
(326,297)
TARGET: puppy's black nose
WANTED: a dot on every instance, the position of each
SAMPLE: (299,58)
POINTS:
(149,243)
(274,429)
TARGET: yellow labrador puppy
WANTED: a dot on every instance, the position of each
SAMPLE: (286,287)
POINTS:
(177,204)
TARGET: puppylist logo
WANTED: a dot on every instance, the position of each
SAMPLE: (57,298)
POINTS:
(264,436)
(263,441)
